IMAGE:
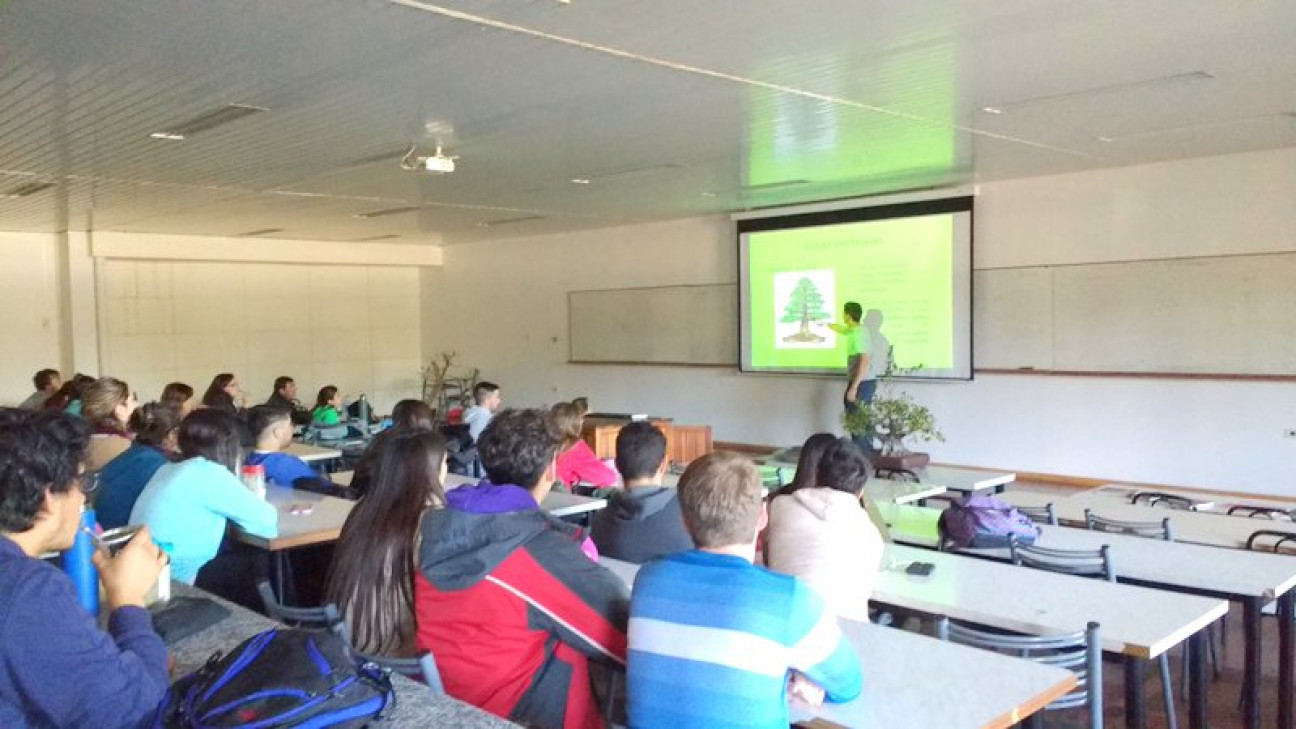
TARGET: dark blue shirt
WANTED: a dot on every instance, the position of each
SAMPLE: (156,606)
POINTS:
(122,480)
(57,668)
(281,468)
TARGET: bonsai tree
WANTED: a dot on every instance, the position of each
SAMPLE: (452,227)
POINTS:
(805,304)
(893,416)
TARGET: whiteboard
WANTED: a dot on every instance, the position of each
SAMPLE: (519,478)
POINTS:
(1232,315)
(692,325)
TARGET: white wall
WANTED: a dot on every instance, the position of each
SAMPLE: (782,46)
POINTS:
(502,306)
(29,311)
(356,327)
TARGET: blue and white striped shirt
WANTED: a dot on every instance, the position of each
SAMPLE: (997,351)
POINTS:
(713,638)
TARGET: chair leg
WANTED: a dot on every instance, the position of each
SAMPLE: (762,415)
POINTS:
(1167,688)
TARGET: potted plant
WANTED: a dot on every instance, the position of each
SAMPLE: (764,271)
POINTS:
(892,417)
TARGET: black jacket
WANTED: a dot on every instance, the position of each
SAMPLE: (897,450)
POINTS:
(640,525)
(300,415)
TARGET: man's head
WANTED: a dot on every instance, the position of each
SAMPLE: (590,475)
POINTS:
(640,452)
(518,447)
(41,455)
(487,395)
(843,467)
(852,312)
(722,501)
(272,427)
(285,387)
(48,381)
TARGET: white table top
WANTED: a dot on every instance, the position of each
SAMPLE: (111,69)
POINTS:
(1216,530)
(1136,621)
(964,479)
(310,453)
(1178,564)
(900,669)
(883,491)
(329,513)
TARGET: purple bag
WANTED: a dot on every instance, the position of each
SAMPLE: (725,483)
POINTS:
(984,522)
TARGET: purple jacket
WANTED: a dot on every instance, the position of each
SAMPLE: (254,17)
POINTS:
(493,498)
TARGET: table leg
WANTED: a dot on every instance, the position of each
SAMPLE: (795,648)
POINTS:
(1286,653)
(1198,651)
(1251,712)
(1135,702)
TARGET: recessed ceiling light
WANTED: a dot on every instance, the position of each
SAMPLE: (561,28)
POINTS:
(168,136)
(708,194)
(992,110)
(1103,139)
(579,181)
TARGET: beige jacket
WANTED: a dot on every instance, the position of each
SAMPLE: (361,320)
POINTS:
(824,537)
(104,448)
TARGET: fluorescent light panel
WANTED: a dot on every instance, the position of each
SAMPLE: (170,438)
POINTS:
(208,121)
(26,189)
(388,211)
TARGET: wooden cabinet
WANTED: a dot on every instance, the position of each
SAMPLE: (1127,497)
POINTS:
(684,443)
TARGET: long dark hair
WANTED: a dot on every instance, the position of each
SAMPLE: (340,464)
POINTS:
(70,391)
(216,398)
(325,396)
(212,434)
(176,394)
(372,576)
(808,464)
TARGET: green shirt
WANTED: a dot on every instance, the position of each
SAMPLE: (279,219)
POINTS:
(325,415)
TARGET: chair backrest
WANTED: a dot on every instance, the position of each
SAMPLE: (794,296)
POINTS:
(325,617)
(1259,541)
(896,474)
(1260,512)
(1040,514)
(1149,529)
(1079,652)
(1161,498)
(423,668)
(1078,562)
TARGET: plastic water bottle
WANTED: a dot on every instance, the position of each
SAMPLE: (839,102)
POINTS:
(255,479)
(79,567)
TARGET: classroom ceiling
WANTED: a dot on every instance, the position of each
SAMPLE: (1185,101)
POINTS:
(665,108)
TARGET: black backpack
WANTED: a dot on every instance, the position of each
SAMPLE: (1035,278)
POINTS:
(279,678)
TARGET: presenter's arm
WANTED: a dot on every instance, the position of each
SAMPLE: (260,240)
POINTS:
(839,328)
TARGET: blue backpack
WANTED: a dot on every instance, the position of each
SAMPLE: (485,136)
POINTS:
(984,522)
(279,678)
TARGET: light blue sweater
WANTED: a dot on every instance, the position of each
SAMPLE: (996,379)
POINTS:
(186,505)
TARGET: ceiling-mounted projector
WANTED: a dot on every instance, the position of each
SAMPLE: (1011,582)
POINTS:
(438,162)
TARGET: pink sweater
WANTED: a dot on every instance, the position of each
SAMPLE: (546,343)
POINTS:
(579,464)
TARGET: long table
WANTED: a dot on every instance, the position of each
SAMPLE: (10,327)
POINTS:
(310,453)
(900,670)
(416,705)
(1137,622)
(1252,578)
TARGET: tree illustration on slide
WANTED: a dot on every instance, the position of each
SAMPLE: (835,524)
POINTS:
(805,305)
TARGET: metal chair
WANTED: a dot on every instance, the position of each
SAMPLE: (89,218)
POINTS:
(1089,563)
(1079,652)
(1149,529)
(1161,498)
(325,617)
(897,474)
(1040,514)
(423,668)
(1257,512)
(1253,542)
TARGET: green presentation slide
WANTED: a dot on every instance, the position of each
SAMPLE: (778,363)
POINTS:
(799,279)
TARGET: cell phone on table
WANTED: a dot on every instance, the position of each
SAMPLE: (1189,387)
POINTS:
(300,508)
(919,569)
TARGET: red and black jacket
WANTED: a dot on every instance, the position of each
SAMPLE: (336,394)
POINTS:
(512,610)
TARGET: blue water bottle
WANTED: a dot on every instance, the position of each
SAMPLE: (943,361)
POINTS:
(77,565)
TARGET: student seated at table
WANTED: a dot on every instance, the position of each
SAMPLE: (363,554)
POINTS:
(179,396)
(372,576)
(807,463)
(408,415)
(189,504)
(328,406)
(505,599)
(713,638)
(107,405)
(272,431)
(487,399)
(155,427)
(642,521)
(46,382)
(823,535)
(576,462)
(224,394)
(284,397)
(57,667)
